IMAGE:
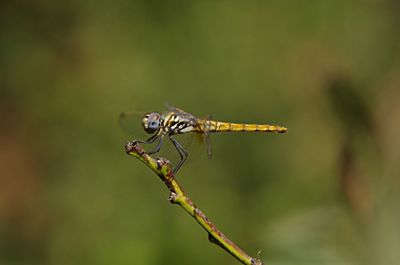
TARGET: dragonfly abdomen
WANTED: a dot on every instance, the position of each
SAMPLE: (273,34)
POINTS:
(219,126)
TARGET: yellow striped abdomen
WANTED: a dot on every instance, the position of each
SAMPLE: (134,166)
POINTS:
(219,126)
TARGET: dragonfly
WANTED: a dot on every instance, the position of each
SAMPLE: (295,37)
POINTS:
(176,121)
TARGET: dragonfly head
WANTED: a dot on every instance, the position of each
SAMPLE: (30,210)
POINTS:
(151,122)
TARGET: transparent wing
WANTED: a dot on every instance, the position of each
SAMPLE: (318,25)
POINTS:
(175,109)
(196,142)
(193,143)
(131,122)
(207,137)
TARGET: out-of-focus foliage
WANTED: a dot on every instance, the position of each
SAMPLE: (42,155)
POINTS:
(327,192)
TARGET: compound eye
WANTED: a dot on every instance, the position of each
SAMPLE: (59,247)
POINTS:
(151,122)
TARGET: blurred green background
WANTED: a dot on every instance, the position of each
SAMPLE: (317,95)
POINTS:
(327,192)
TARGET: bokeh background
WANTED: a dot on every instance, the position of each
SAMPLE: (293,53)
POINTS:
(327,192)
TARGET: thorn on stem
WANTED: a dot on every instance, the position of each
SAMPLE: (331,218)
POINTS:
(172,197)
(163,164)
(160,163)
(257,260)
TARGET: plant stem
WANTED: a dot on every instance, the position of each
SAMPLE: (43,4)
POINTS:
(163,169)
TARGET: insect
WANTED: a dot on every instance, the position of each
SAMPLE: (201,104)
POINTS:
(176,121)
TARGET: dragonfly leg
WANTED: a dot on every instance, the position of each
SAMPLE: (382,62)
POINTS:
(150,140)
(158,147)
(182,152)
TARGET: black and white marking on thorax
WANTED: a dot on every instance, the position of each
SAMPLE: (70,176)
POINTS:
(177,124)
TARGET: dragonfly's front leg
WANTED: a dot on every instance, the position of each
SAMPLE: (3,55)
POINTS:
(158,147)
(182,153)
(150,140)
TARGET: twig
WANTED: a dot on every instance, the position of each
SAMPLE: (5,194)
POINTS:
(163,169)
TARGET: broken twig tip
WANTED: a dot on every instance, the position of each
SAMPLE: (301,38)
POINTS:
(128,147)
(134,147)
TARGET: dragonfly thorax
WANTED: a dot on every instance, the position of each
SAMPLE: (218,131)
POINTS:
(151,122)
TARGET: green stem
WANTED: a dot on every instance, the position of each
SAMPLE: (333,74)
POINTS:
(163,169)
